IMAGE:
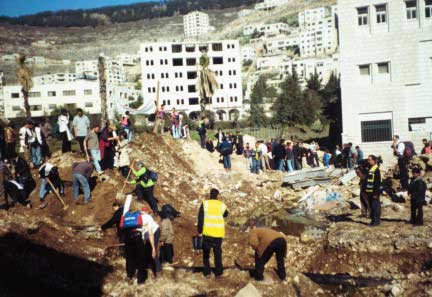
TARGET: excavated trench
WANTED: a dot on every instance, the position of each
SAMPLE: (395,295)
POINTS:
(30,269)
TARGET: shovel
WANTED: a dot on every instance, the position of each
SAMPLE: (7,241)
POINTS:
(65,206)
(120,195)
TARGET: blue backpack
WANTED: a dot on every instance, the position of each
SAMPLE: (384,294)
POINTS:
(131,220)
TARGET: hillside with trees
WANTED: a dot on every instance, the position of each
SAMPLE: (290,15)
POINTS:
(121,14)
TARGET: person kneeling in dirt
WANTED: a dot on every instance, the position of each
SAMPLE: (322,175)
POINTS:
(144,185)
(417,192)
(50,172)
(211,225)
(267,242)
(115,220)
(81,173)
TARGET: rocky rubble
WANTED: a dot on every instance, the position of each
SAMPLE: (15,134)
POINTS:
(321,243)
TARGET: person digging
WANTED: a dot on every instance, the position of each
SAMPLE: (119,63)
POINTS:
(267,242)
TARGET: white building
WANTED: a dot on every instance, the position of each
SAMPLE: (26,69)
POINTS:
(10,58)
(266,29)
(195,24)
(318,31)
(248,53)
(1,94)
(43,99)
(127,59)
(114,70)
(176,66)
(282,43)
(54,78)
(270,4)
(386,72)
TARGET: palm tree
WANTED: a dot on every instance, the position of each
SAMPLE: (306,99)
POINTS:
(102,90)
(207,83)
(24,75)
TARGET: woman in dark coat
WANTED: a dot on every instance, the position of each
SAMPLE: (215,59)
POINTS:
(107,145)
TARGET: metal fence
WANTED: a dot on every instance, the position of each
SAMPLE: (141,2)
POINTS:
(264,133)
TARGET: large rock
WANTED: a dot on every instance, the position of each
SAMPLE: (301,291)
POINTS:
(248,291)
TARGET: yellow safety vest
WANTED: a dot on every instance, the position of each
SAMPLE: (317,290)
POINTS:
(370,179)
(214,224)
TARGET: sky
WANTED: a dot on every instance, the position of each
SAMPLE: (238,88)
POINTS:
(22,7)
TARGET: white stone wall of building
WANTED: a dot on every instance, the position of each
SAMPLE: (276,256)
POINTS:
(401,94)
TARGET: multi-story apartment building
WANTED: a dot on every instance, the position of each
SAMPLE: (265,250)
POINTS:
(79,93)
(176,67)
(114,70)
(195,24)
(304,67)
(54,78)
(282,43)
(270,4)
(44,98)
(386,72)
(318,31)
(127,59)
(267,29)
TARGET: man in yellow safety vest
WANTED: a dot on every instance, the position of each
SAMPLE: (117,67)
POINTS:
(211,226)
(373,184)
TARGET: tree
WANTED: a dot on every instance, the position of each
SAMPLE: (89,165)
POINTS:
(260,91)
(137,103)
(331,94)
(24,75)
(312,101)
(288,107)
(207,83)
(102,90)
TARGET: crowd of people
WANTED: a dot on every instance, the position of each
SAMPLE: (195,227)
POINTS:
(144,228)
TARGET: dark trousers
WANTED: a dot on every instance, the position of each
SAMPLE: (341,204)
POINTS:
(10,150)
(417,212)
(16,194)
(299,163)
(166,253)
(156,266)
(215,244)
(375,209)
(80,140)
(364,200)
(403,172)
(277,247)
(203,140)
(147,195)
(137,258)
(66,144)
(124,170)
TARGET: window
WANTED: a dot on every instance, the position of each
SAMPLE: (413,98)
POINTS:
(217,47)
(362,16)
(192,74)
(52,106)
(89,104)
(373,131)
(69,93)
(176,48)
(428,8)
(381,13)
(383,68)
(193,101)
(411,9)
(364,69)
(15,95)
(217,60)
(178,62)
(16,108)
(191,88)
(190,61)
(34,94)
(87,92)
(35,107)
(190,48)
(203,48)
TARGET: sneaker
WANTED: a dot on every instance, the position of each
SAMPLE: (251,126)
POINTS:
(43,205)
